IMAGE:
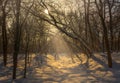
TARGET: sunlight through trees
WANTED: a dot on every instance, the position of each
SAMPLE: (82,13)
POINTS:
(71,29)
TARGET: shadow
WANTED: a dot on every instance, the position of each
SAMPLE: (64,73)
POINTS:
(76,74)
(6,72)
(105,75)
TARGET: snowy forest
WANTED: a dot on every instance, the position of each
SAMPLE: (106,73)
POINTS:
(59,41)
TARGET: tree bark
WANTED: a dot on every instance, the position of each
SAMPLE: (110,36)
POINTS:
(107,43)
(105,32)
(26,53)
(17,38)
(4,34)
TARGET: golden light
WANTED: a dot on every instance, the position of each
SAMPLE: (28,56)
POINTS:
(46,11)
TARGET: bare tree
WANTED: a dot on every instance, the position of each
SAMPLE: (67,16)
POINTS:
(4,31)
(105,31)
(17,37)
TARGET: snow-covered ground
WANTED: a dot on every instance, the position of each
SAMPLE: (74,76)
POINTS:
(64,70)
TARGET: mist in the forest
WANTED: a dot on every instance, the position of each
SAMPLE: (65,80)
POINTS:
(60,47)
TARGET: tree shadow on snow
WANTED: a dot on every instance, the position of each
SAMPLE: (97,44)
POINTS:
(104,74)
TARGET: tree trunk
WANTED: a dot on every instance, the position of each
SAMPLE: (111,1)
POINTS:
(26,59)
(107,43)
(105,31)
(26,53)
(110,25)
(118,48)
(4,36)
(17,38)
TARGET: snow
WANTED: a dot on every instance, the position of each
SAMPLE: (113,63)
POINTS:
(64,70)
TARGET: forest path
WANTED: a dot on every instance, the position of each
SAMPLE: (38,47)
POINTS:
(64,70)
(57,71)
